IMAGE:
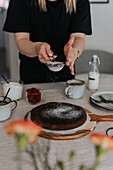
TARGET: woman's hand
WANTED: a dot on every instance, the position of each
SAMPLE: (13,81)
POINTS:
(44,53)
(71,54)
(32,49)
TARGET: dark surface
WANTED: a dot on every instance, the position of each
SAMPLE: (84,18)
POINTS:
(58,116)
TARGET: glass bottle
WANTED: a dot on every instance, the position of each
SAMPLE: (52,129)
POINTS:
(93,75)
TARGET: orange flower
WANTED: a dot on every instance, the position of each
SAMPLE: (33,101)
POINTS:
(102,140)
(30,129)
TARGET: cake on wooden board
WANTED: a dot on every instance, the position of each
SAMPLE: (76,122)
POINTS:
(59,116)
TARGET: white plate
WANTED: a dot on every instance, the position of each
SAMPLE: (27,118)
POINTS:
(107,95)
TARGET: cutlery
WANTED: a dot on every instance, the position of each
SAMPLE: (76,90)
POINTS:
(105,100)
(102,99)
(97,101)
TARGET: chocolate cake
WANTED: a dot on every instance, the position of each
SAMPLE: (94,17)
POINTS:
(58,116)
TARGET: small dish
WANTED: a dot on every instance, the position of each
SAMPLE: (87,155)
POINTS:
(55,66)
(33,95)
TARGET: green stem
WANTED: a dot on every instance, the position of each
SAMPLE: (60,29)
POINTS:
(19,158)
(96,165)
(100,155)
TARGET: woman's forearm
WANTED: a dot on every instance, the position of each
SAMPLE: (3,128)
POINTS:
(27,47)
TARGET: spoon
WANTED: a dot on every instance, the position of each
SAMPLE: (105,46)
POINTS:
(6,95)
(5,79)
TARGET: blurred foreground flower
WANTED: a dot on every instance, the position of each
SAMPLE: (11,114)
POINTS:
(106,142)
(24,131)
(103,143)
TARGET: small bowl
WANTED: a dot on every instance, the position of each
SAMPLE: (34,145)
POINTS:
(55,66)
(33,95)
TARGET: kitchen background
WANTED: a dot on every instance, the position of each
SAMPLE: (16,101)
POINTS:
(101,39)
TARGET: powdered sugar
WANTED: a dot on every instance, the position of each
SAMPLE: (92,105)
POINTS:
(55,66)
(60,111)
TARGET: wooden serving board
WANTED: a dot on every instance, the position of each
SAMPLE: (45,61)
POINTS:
(80,133)
(86,130)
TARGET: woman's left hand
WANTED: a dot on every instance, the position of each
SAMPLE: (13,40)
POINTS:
(71,54)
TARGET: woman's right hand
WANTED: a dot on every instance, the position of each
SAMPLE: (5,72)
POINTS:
(44,53)
(33,49)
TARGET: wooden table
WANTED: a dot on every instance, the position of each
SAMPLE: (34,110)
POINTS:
(85,153)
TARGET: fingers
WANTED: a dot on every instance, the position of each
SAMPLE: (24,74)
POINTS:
(41,59)
(70,56)
(71,67)
(70,63)
(45,54)
(70,59)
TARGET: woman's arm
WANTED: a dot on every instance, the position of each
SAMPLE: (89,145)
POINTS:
(79,41)
(73,49)
(32,49)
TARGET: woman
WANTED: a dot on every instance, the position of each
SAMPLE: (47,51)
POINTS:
(44,29)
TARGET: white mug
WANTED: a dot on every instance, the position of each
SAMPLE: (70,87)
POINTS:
(16,89)
(75,88)
(6,107)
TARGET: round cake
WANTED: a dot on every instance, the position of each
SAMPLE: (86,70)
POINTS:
(59,116)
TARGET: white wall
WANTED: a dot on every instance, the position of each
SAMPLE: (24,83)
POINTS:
(102,27)
(2,43)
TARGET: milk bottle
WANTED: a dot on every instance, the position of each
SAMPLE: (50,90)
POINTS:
(93,76)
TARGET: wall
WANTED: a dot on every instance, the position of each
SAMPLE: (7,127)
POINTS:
(102,27)
(2,43)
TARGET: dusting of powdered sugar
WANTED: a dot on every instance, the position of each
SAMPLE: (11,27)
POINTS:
(62,112)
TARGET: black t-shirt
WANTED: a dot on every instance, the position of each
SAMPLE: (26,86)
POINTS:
(53,27)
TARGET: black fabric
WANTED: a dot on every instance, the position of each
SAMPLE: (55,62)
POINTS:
(53,27)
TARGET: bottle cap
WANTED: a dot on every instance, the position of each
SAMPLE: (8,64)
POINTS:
(96,59)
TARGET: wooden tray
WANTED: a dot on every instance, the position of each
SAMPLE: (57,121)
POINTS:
(80,133)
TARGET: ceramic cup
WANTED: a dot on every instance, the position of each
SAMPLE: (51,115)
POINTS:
(75,88)
(16,89)
(6,107)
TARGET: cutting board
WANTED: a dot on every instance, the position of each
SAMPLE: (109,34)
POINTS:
(94,119)
(86,130)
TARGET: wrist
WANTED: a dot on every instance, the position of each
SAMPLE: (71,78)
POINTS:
(37,47)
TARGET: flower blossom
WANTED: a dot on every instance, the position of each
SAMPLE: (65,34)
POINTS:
(20,127)
(106,142)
